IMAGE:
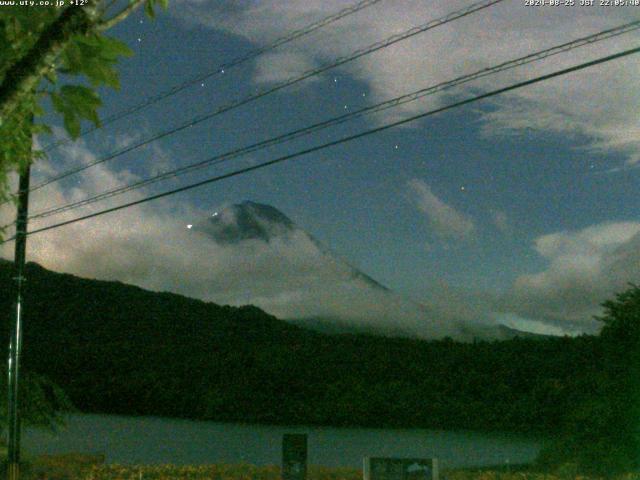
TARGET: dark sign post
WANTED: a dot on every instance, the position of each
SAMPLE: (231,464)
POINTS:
(294,456)
(377,468)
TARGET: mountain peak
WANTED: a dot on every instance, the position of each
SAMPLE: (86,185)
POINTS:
(247,221)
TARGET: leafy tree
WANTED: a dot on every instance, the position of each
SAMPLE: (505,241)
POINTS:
(603,432)
(43,42)
(622,317)
(43,403)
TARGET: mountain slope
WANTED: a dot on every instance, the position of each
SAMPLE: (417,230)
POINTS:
(273,263)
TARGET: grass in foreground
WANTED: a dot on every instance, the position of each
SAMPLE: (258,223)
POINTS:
(92,467)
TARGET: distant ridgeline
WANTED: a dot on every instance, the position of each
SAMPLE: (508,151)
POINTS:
(116,348)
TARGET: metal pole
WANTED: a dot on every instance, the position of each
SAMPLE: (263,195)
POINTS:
(15,341)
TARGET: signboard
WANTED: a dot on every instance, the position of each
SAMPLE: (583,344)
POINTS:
(379,468)
(294,456)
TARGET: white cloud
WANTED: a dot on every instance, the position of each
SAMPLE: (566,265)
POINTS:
(600,104)
(585,267)
(149,245)
(445,220)
(290,276)
(281,66)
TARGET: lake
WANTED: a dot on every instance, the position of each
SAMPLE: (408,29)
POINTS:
(152,440)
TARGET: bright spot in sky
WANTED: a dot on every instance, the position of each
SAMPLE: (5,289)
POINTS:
(364,94)
(189,226)
(216,213)
(396,147)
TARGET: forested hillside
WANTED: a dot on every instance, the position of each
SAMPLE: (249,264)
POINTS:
(116,348)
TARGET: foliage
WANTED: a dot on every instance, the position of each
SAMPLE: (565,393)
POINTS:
(604,430)
(42,403)
(86,61)
(621,318)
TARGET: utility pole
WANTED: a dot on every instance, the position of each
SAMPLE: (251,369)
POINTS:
(15,340)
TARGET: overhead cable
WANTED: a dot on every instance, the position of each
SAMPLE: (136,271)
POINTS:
(394,102)
(287,83)
(349,138)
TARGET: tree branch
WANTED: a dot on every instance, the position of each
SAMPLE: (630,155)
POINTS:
(25,74)
(120,16)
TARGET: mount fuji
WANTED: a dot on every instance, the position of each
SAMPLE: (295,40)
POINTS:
(274,264)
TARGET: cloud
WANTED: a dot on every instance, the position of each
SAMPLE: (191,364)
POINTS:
(585,267)
(281,66)
(597,104)
(446,221)
(292,276)
(150,245)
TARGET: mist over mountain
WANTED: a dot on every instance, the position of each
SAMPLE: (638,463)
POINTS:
(290,274)
(254,254)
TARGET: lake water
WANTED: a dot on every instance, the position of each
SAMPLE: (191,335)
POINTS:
(151,440)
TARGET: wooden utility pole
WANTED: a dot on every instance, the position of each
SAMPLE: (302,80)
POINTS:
(15,340)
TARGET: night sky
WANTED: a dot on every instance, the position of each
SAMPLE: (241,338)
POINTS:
(522,209)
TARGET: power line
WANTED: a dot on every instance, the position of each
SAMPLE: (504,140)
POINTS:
(217,159)
(309,73)
(222,68)
(342,140)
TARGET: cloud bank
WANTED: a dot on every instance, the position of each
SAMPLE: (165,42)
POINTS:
(585,267)
(287,274)
(598,105)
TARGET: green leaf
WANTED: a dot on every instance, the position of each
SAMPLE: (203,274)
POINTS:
(76,102)
(51,76)
(72,124)
(82,99)
(114,48)
(102,74)
(57,102)
(164,4)
(148,8)
(72,58)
